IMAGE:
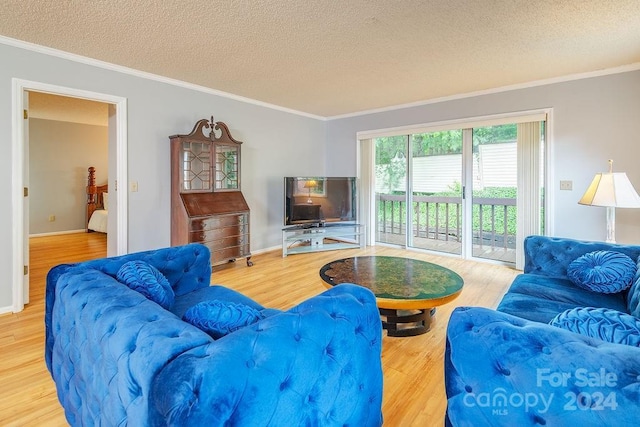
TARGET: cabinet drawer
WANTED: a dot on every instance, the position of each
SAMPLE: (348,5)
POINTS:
(217,221)
(222,255)
(221,233)
(227,242)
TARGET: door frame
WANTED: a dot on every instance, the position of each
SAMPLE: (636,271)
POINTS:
(19,87)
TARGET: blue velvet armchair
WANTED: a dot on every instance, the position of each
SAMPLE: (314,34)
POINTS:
(118,358)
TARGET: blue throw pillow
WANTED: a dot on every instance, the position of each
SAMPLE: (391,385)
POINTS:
(603,323)
(146,279)
(633,298)
(218,318)
(605,272)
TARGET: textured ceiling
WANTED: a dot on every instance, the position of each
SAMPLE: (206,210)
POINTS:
(330,57)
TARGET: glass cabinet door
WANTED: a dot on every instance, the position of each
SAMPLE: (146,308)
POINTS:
(196,166)
(227,164)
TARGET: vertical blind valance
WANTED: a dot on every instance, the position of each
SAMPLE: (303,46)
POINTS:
(473,122)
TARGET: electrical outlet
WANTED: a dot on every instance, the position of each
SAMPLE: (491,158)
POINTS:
(52,218)
(566,185)
(134,186)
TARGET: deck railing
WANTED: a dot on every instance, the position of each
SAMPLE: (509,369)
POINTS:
(440,218)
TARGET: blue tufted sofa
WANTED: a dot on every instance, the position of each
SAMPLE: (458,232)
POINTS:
(509,367)
(119,359)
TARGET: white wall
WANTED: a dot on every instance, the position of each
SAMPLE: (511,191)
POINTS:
(60,153)
(276,144)
(594,119)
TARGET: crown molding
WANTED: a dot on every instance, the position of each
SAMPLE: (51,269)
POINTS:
(175,82)
(145,75)
(570,77)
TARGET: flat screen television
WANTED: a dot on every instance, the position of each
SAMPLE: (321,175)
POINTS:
(315,201)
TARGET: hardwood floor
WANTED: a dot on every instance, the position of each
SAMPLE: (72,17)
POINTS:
(413,367)
(28,394)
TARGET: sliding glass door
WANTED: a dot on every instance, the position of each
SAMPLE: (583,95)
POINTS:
(474,191)
(494,192)
(436,191)
(391,189)
(423,171)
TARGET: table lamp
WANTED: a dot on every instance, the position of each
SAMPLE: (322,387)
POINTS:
(309,185)
(612,190)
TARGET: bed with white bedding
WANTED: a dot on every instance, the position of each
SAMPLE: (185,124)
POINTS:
(97,204)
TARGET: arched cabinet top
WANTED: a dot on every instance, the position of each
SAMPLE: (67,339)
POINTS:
(208,130)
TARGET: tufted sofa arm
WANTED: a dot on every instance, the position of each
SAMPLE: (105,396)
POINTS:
(186,267)
(551,256)
(110,342)
(527,373)
(316,364)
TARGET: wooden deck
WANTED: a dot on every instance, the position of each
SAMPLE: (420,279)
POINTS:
(507,255)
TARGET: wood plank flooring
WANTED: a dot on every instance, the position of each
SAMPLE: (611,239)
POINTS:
(28,395)
(413,367)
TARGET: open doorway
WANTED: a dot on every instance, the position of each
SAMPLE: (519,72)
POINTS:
(65,137)
(116,161)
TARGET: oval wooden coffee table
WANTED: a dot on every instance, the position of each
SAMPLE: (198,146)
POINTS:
(407,290)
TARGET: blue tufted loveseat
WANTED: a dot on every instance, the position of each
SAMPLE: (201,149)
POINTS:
(119,359)
(509,367)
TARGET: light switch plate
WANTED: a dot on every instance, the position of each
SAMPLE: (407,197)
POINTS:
(566,185)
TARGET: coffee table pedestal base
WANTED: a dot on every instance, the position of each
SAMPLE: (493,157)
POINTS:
(406,323)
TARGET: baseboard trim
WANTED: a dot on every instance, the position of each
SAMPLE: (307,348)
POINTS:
(58,233)
(6,310)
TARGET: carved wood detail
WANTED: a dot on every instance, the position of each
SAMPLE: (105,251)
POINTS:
(199,132)
(94,195)
(91,195)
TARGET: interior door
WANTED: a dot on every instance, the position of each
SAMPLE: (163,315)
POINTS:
(25,183)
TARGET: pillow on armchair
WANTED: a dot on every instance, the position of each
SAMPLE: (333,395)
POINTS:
(603,323)
(147,280)
(602,271)
(218,318)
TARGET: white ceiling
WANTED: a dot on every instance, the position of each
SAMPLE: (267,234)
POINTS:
(332,57)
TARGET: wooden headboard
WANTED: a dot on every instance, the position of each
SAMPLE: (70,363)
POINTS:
(94,195)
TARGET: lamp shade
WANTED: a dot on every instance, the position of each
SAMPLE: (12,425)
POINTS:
(611,189)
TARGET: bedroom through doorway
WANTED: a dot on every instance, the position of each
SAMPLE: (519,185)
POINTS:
(66,137)
(60,133)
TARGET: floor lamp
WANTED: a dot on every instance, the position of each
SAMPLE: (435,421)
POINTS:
(612,190)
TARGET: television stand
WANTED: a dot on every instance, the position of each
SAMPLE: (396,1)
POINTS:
(329,237)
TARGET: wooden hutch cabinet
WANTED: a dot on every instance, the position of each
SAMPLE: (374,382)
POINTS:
(207,205)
